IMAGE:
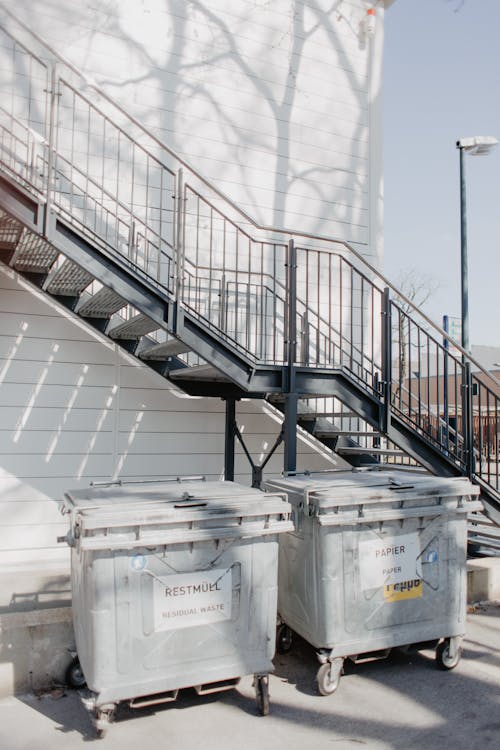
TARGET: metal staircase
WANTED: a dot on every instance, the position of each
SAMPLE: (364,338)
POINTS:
(105,218)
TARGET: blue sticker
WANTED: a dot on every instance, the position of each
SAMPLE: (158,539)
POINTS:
(138,562)
(432,556)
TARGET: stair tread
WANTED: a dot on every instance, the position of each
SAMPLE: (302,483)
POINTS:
(33,254)
(310,415)
(134,328)
(170,348)
(355,450)
(68,280)
(349,433)
(200,372)
(10,231)
(103,304)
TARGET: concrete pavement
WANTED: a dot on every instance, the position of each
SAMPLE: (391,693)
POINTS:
(401,703)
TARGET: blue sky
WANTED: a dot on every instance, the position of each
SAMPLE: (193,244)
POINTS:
(442,82)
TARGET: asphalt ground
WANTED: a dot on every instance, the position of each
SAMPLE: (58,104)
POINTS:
(402,702)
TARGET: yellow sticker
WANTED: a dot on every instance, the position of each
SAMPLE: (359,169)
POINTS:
(405,590)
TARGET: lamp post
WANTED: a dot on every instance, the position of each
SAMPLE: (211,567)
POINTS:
(475,146)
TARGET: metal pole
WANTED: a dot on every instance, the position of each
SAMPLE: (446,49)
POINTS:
(230,433)
(290,433)
(464,269)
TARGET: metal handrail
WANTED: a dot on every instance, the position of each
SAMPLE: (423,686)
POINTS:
(229,202)
(334,277)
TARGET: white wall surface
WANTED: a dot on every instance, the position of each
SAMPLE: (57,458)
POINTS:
(74,408)
(278,103)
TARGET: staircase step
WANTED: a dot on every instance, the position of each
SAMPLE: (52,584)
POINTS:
(170,348)
(103,304)
(357,450)
(311,415)
(347,433)
(69,280)
(134,328)
(200,372)
(10,231)
(33,254)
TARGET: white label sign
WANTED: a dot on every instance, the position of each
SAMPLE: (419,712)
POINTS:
(187,599)
(390,560)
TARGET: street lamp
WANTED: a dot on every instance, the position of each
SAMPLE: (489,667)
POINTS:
(475,146)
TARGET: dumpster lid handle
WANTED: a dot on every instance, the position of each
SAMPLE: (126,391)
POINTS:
(189,501)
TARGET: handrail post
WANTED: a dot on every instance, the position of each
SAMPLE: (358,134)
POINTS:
(292,311)
(222,302)
(179,242)
(290,423)
(51,150)
(386,343)
(467,421)
(305,339)
(132,241)
(446,404)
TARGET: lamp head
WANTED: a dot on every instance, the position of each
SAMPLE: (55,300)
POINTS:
(477,145)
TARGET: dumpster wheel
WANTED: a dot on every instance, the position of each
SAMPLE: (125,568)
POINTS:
(284,639)
(328,676)
(447,654)
(261,683)
(103,716)
(74,675)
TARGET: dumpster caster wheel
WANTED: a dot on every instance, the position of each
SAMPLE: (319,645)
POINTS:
(284,639)
(447,658)
(329,675)
(103,718)
(74,675)
(262,694)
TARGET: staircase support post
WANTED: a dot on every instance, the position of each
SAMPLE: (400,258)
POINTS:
(229,439)
(290,433)
(291,397)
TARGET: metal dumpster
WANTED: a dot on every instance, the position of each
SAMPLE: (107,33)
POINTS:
(174,585)
(377,560)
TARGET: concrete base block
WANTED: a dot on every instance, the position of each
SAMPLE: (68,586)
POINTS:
(483,580)
(36,629)
(35,649)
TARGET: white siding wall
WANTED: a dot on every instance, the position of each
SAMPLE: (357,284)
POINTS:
(277,102)
(75,409)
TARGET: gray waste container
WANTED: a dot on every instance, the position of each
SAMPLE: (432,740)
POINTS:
(174,585)
(377,560)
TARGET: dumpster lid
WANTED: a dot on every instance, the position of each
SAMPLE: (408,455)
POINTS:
(107,495)
(345,488)
(163,511)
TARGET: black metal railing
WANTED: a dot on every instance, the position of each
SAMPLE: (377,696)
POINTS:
(98,169)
